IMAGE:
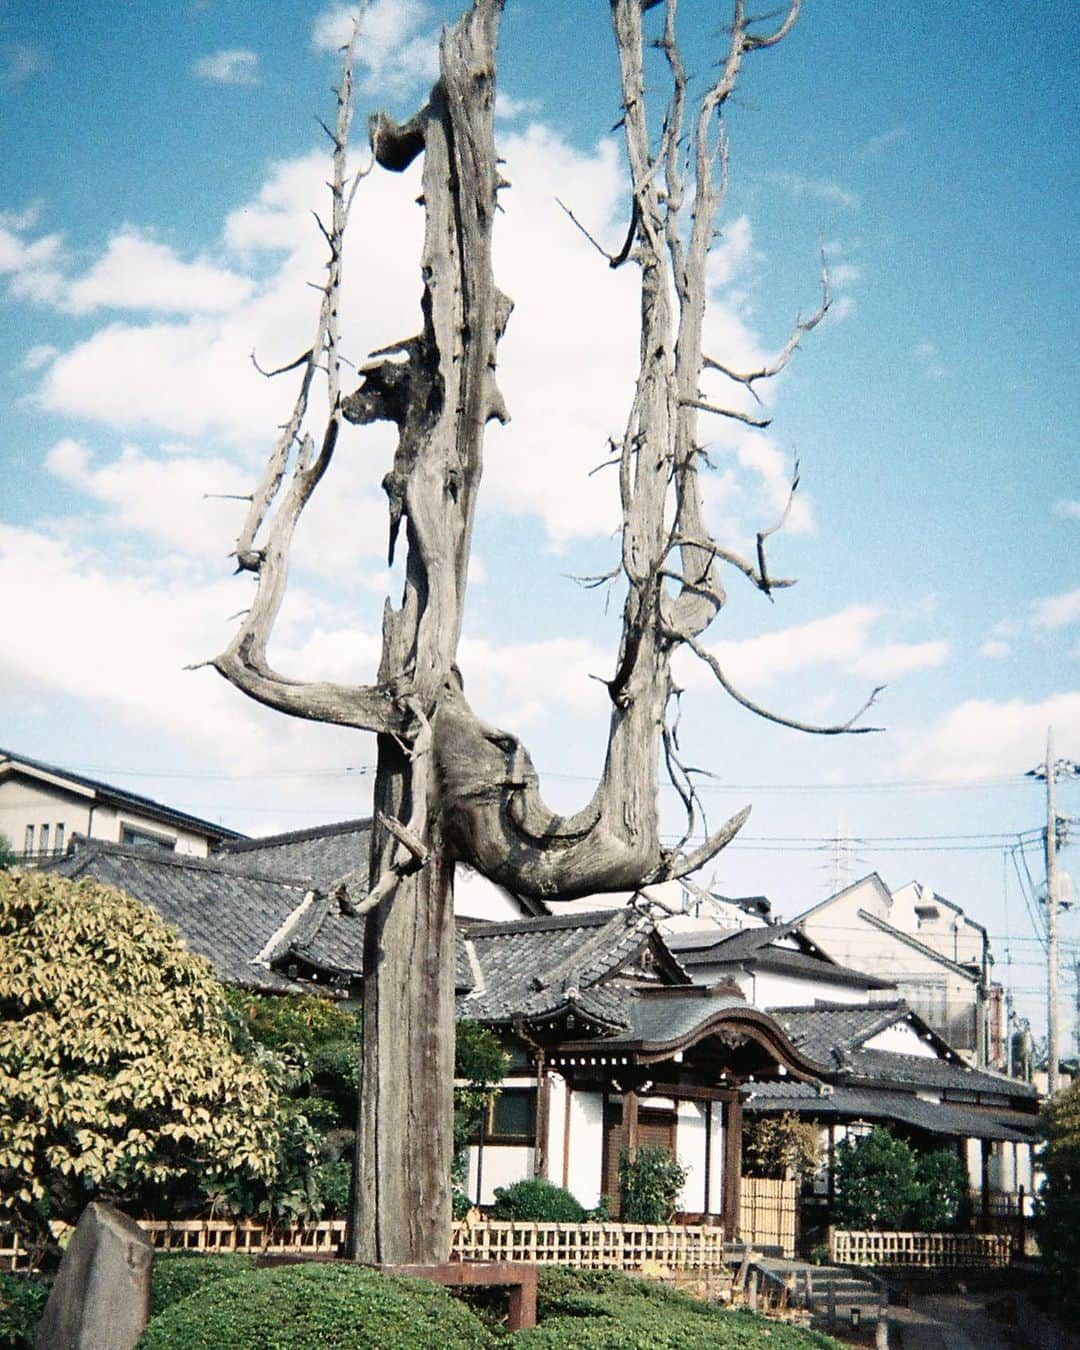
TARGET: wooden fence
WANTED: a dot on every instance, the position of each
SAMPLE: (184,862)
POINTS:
(923,1250)
(593,1246)
(768,1213)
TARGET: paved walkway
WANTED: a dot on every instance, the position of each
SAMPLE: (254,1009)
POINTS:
(948,1322)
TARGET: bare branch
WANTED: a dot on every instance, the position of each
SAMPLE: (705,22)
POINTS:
(763,571)
(301,360)
(736,416)
(802,327)
(836,729)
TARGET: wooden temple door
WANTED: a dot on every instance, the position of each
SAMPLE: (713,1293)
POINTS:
(654,1129)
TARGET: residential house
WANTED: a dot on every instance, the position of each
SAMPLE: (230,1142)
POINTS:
(43,806)
(937,957)
(773,965)
(887,1066)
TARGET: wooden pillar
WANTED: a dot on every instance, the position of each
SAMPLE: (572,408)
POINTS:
(705,1209)
(630,1121)
(543,1116)
(732,1165)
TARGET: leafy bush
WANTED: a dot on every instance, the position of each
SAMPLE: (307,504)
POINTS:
(119,1079)
(605,1310)
(337,1306)
(649,1185)
(178,1274)
(537,1200)
(775,1145)
(481,1061)
(941,1180)
(22,1303)
(883,1183)
(1057,1218)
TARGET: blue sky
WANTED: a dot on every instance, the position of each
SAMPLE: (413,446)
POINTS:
(159,167)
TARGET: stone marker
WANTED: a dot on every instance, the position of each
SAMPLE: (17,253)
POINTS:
(101,1297)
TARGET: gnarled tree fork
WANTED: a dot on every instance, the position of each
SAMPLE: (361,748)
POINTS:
(448,786)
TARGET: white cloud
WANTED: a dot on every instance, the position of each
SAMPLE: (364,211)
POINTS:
(398,45)
(32,266)
(39,355)
(801,188)
(19,62)
(507,108)
(138,273)
(995,649)
(515,685)
(1056,611)
(1070,509)
(877,145)
(894,659)
(233,66)
(843,641)
(983,738)
(926,354)
(170,500)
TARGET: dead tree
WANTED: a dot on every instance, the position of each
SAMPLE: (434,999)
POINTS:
(448,786)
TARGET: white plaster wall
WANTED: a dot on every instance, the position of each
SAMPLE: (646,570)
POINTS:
(770,989)
(503,1165)
(973,1152)
(901,1039)
(475,897)
(556,1134)
(23,803)
(690,1152)
(584,1175)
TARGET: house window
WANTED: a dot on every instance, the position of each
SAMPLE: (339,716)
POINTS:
(28,843)
(511,1118)
(58,838)
(130,835)
(43,839)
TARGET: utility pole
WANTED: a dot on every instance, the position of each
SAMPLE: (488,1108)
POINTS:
(1053,1044)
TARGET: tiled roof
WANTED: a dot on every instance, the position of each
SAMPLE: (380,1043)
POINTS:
(319,856)
(882,1066)
(658,1021)
(946,1118)
(721,945)
(533,968)
(834,1034)
(822,1029)
(226,916)
(119,796)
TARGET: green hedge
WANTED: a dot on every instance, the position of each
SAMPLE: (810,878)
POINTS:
(178,1274)
(537,1201)
(22,1302)
(300,1307)
(604,1310)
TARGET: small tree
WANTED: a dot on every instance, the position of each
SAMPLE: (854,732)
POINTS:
(650,1180)
(118,1076)
(884,1183)
(1057,1221)
(774,1146)
(7,853)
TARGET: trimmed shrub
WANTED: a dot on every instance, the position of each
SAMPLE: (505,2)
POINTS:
(22,1302)
(605,1310)
(882,1183)
(538,1201)
(178,1274)
(649,1184)
(942,1189)
(1057,1222)
(335,1306)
